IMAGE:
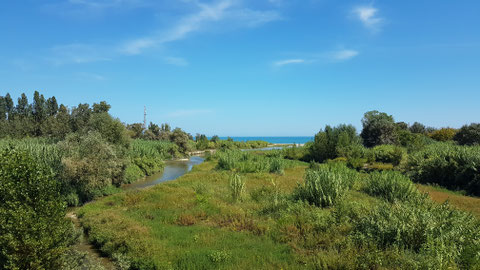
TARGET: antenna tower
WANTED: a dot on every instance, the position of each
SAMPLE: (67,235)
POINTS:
(144,117)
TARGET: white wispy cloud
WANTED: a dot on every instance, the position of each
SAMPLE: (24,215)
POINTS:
(221,11)
(282,63)
(343,55)
(323,57)
(368,15)
(189,113)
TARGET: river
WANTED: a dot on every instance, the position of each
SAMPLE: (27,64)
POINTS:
(173,170)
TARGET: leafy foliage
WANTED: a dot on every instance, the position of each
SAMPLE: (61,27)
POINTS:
(34,231)
(468,135)
(90,165)
(325,185)
(442,237)
(451,166)
(389,154)
(378,128)
(331,142)
(391,186)
(443,134)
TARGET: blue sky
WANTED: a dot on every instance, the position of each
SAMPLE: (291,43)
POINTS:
(248,67)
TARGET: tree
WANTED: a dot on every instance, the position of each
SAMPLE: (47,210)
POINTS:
(34,231)
(39,107)
(443,134)
(102,107)
(23,108)
(90,164)
(52,106)
(180,138)
(331,142)
(215,138)
(202,141)
(378,128)
(3,109)
(155,129)
(135,130)
(9,105)
(468,135)
(111,129)
(418,128)
(80,116)
(58,126)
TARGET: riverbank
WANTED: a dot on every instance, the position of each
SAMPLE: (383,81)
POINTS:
(193,223)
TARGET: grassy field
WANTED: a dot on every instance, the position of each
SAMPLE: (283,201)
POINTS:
(194,223)
(440,195)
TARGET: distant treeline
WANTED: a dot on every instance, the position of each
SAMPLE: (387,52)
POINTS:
(445,156)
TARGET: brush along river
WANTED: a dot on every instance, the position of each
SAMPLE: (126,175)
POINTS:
(173,170)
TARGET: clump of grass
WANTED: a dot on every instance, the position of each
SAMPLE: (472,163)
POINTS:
(440,236)
(277,166)
(391,186)
(247,162)
(325,185)
(237,186)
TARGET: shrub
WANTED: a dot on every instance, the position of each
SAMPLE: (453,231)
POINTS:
(391,186)
(90,164)
(133,173)
(442,236)
(378,128)
(450,166)
(468,135)
(329,142)
(34,231)
(389,154)
(237,186)
(277,165)
(247,162)
(443,135)
(326,185)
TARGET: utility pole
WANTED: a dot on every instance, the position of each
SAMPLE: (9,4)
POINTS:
(144,117)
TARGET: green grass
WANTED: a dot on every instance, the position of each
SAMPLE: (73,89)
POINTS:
(193,223)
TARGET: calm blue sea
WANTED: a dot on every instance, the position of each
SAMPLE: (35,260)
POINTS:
(273,139)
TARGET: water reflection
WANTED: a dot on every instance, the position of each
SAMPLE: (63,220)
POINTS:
(173,170)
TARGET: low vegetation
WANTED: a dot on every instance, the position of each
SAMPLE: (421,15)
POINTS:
(354,207)
(335,218)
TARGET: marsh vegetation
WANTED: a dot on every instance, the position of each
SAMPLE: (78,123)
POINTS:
(347,200)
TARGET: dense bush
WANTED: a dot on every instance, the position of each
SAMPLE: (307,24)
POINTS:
(468,135)
(329,143)
(90,165)
(411,141)
(325,185)
(389,154)
(443,134)
(378,128)
(442,237)
(34,233)
(454,167)
(246,162)
(391,186)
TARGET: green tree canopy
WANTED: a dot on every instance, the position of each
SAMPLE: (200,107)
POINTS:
(34,231)
(468,135)
(378,128)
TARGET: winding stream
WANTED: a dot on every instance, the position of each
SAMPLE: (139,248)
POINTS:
(173,170)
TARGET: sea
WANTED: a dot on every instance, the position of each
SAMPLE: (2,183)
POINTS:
(300,140)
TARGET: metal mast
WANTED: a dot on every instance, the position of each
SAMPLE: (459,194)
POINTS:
(144,117)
